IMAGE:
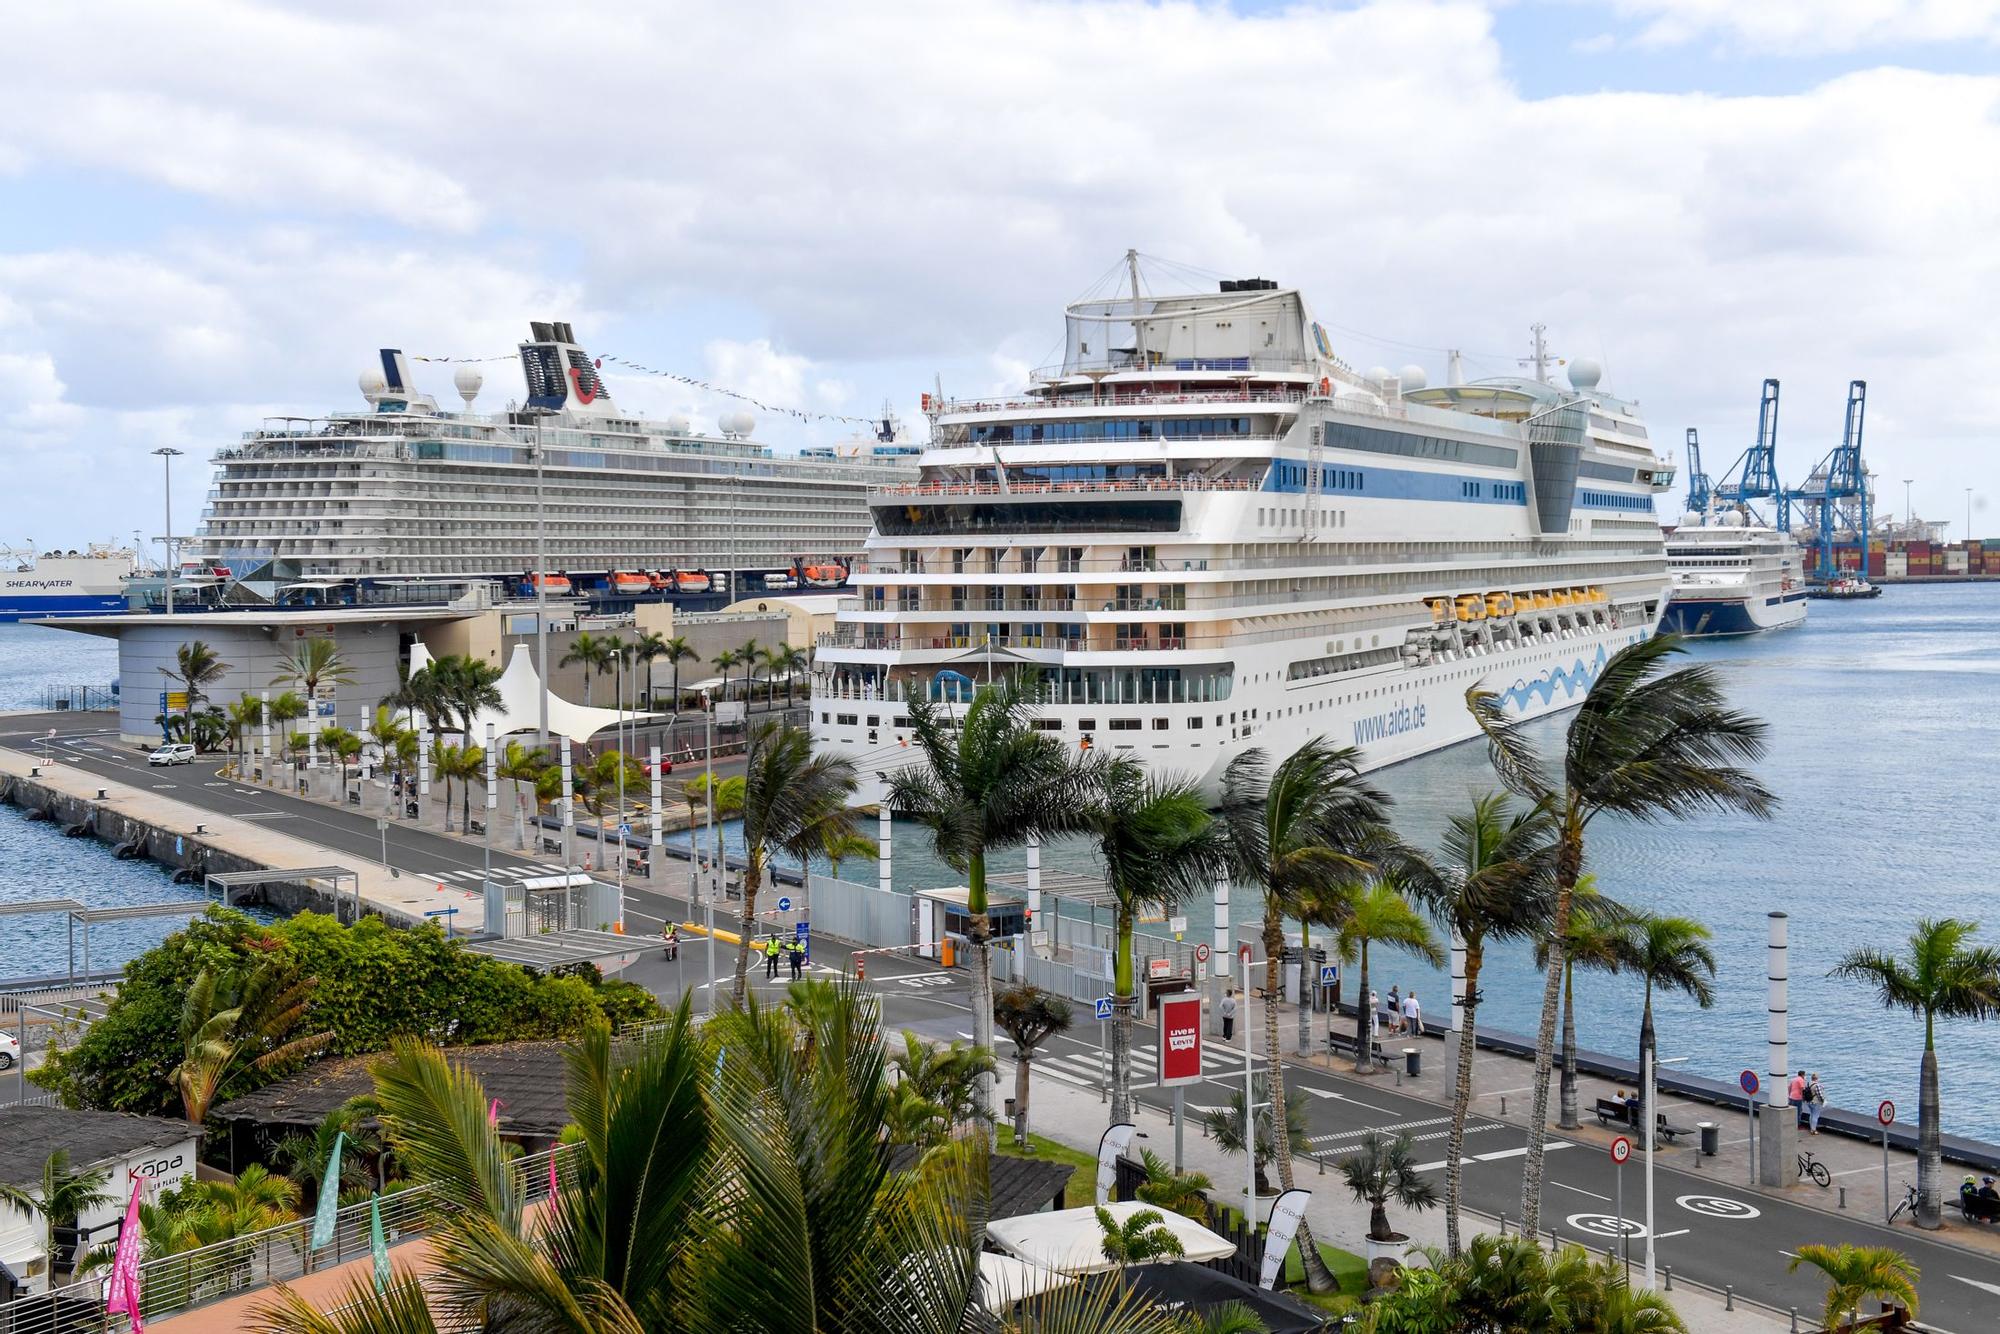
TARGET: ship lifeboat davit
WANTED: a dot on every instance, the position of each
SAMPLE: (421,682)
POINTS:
(630,582)
(553,583)
(691,581)
(828,575)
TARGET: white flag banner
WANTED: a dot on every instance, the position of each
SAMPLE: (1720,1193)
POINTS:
(1287,1211)
(1117,1139)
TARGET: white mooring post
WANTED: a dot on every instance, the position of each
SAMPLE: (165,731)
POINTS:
(568,809)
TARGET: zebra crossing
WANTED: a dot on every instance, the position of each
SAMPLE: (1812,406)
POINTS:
(1088,1067)
(1421,1131)
(513,872)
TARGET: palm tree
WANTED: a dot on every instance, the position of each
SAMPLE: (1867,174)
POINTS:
(232,1023)
(944,1073)
(244,713)
(1941,975)
(1224,1125)
(592,653)
(463,688)
(255,1200)
(723,661)
(1029,1016)
(305,1154)
(388,733)
(601,780)
(677,651)
(1491,883)
(773,659)
(1160,847)
(1141,1238)
(747,659)
(195,668)
(346,747)
(520,764)
(791,660)
(1670,953)
(1856,1273)
(1184,1193)
(314,663)
(59,1197)
(647,647)
(989,782)
(1590,943)
(793,800)
(463,763)
(1385,1169)
(1305,828)
(1379,914)
(1646,744)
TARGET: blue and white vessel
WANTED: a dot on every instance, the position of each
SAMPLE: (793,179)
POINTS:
(64,583)
(1732,575)
(1203,532)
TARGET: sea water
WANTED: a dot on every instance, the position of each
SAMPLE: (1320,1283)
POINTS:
(1883,733)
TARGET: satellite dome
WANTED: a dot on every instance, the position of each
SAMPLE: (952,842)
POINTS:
(677,425)
(1691,519)
(1379,375)
(373,384)
(737,423)
(1413,377)
(467,380)
(1584,374)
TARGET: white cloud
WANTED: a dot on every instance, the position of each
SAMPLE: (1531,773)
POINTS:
(823,206)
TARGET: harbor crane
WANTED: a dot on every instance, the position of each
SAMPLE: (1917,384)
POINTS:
(1754,475)
(1834,499)
(1700,493)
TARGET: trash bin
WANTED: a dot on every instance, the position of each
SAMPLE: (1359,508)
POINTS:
(1711,1138)
(1413,1062)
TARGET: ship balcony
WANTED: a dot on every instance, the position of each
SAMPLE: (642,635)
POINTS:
(1130,363)
(1016,490)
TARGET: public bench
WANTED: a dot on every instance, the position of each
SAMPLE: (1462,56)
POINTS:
(1627,1114)
(1978,1209)
(1342,1044)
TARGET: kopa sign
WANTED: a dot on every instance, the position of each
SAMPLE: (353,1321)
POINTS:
(1179,1044)
(154,1169)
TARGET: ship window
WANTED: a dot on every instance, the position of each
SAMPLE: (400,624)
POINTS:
(1195,722)
(826,717)
(1046,724)
(1124,724)
(1159,724)
(1086,724)
(847,720)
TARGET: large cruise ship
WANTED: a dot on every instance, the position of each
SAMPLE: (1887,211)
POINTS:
(1732,576)
(1203,532)
(404,492)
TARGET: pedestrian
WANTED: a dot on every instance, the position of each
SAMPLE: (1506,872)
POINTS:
(771,959)
(672,935)
(1374,1015)
(1395,1010)
(1815,1100)
(1795,1094)
(1228,1014)
(798,952)
(1413,1014)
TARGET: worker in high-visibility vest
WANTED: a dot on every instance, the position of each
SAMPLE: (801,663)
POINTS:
(770,958)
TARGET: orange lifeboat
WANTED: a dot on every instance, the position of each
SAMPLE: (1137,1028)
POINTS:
(630,582)
(691,581)
(554,583)
(828,575)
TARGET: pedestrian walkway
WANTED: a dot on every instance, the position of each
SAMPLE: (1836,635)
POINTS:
(1092,1070)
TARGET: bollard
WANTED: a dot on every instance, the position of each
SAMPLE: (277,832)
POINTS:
(1668,1270)
(1728,1297)
(1503,1104)
(1322,1164)
(1503,1225)
(1843,1198)
(1795,1320)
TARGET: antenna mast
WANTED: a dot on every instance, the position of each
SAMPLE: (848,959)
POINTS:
(1138,329)
(1538,356)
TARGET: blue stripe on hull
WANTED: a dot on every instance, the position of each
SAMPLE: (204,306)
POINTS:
(21,609)
(1698,616)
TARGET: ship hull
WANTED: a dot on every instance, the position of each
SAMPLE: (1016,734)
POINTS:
(1704,618)
(19,607)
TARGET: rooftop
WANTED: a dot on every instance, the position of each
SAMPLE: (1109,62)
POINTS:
(530,1080)
(28,1135)
(259,619)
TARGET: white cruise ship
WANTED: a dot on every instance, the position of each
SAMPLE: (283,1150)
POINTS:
(1732,576)
(1202,532)
(401,492)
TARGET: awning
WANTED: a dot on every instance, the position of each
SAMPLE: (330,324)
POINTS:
(1071,1242)
(1004,1280)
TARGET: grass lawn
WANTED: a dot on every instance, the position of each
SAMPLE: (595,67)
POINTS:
(1349,1269)
(1081,1191)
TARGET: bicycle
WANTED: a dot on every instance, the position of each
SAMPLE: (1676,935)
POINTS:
(1909,1204)
(1810,1166)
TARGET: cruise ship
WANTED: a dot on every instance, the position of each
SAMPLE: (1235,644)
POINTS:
(403,492)
(1203,532)
(1732,576)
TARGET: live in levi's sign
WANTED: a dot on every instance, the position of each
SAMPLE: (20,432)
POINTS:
(1179,1044)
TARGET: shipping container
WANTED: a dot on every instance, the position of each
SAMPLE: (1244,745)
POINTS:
(1876,560)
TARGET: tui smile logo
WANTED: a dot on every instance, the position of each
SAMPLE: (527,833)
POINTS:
(585,392)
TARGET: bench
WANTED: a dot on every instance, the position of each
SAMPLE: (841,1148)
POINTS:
(1615,1109)
(1978,1209)
(1343,1044)
(552,845)
(476,827)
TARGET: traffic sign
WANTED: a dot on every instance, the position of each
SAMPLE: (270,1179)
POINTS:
(1621,1150)
(625,828)
(1159,967)
(1201,953)
(1177,925)
(442,912)
(1104,1007)
(1329,974)
(1886,1113)
(785,904)
(1243,953)
(1747,1081)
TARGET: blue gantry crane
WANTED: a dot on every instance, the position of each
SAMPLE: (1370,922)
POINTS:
(1699,491)
(1835,494)
(1754,475)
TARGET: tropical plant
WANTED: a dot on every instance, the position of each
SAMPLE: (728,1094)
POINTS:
(793,801)
(1940,975)
(1646,744)
(911,1118)
(462,764)
(1490,883)
(57,1199)
(609,774)
(287,706)
(1225,1126)
(646,648)
(1141,1237)
(314,663)
(1029,1016)
(946,1074)
(1306,827)
(1382,1170)
(1855,1274)
(255,1200)
(1183,1193)
(1325,906)
(520,764)
(304,1154)
(196,667)
(990,781)
(1379,914)
(790,661)
(463,687)
(244,712)
(1671,954)
(387,733)
(1591,943)
(722,662)
(1500,1285)
(724,794)
(591,652)
(1160,848)
(747,658)
(345,746)
(250,1018)
(677,651)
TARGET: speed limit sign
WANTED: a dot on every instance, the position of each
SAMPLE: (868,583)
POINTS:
(1201,954)
(1621,1150)
(1886,1113)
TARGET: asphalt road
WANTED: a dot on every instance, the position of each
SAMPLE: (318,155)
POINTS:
(1710,1230)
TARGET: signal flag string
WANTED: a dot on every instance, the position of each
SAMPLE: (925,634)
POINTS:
(796,414)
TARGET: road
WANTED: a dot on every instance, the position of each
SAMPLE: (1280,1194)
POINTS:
(1713,1231)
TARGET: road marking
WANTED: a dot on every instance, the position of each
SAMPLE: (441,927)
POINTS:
(1604,1225)
(1677,1232)
(1993,1288)
(1719,1206)
(1495,1156)
(1581,1191)
(1342,1097)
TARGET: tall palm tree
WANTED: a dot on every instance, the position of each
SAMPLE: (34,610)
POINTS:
(747,658)
(1941,975)
(346,747)
(723,661)
(230,1023)
(1029,1017)
(465,687)
(773,659)
(244,713)
(989,782)
(1324,906)
(1490,883)
(601,780)
(1856,1273)
(314,663)
(387,733)
(196,667)
(59,1197)
(1307,826)
(1646,744)
(1379,914)
(791,660)
(592,653)
(520,764)
(1671,954)
(1591,943)
(1160,847)
(463,763)
(646,648)
(793,800)
(677,651)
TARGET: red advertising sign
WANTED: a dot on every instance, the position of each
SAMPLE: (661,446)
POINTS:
(1179,1035)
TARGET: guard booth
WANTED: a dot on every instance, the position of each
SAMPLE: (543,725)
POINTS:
(940,919)
(543,904)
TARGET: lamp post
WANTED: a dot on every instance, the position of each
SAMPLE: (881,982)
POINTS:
(541,587)
(717,872)
(167,454)
(1651,1132)
(1909,518)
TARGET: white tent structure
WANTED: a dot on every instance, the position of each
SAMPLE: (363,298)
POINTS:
(1070,1241)
(520,703)
(1004,1280)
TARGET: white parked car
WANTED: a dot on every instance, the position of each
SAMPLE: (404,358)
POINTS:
(178,753)
(10,1051)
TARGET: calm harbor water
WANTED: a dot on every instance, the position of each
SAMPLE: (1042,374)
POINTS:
(1883,733)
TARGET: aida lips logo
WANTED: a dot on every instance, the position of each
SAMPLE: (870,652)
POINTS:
(585,393)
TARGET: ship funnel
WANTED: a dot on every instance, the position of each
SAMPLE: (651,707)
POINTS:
(561,376)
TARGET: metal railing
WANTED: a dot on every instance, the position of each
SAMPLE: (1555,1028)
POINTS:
(173,1283)
(1140,485)
(1118,399)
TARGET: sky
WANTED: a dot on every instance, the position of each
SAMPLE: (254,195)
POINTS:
(216,210)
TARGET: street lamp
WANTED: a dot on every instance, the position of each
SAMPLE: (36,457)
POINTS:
(1909,515)
(541,583)
(1651,1132)
(167,454)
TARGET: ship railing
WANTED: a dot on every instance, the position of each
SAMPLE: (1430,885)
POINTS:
(1157,365)
(1303,560)
(1142,485)
(1121,399)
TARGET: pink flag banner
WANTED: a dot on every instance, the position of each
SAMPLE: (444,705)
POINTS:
(122,1291)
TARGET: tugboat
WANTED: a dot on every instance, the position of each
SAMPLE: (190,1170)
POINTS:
(1847,588)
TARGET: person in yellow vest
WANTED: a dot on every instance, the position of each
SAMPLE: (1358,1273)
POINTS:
(770,958)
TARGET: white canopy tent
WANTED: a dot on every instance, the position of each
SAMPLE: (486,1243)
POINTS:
(520,703)
(1070,1241)
(1004,1280)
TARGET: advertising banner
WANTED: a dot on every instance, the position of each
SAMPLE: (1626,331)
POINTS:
(1179,1039)
(1286,1212)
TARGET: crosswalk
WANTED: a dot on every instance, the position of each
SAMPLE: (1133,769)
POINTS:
(514,871)
(1087,1068)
